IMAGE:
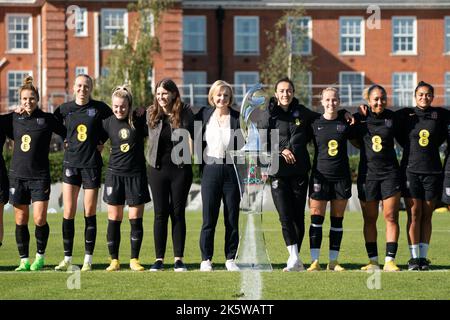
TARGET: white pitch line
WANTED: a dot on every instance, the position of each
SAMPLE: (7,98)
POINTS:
(251,280)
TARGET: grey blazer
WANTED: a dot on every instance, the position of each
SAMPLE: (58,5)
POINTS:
(187,122)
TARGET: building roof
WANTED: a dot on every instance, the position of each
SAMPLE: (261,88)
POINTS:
(318,4)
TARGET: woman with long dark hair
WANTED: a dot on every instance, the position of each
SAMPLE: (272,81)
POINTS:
(170,172)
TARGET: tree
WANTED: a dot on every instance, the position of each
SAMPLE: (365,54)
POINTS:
(131,61)
(285,40)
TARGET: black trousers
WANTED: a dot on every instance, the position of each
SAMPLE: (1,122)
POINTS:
(170,187)
(219,182)
(289,197)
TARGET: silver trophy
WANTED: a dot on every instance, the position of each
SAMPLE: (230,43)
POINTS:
(251,164)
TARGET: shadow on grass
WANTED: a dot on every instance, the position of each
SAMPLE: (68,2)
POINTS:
(357,266)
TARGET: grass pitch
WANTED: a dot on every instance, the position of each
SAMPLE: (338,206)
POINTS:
(220,284)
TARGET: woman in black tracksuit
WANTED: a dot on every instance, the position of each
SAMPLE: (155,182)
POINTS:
(289,185)
(29,172)
(170,171)
(220,130)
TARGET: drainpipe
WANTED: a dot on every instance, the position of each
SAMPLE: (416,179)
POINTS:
(220,15)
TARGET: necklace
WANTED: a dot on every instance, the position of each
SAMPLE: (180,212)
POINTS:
(222,120)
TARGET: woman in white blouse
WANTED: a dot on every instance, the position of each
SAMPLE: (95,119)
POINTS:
(220,129)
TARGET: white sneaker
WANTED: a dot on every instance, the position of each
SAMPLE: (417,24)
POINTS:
(206,266)
(296,265)
(231,265)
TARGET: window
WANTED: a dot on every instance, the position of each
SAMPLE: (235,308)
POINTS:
(403,87)
(104,72)
(447,88)
(113,22)
(149,24)
(81,70)
(351,31)
(194,34)
(15,81)
(20,37)
(447,34)
(300,35)
(351,87)
(404,35)
(244,80)
(195,88)
(81,22)
(246,35)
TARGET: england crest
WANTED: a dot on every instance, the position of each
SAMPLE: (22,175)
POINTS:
(91,112)
(434,115)
(388,123)
(340,128)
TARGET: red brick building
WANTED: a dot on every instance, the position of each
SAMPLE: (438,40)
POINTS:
(396,44)
(51,41)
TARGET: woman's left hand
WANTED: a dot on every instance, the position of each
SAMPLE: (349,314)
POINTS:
(349,118)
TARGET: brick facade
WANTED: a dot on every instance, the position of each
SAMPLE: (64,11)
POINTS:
(57,51)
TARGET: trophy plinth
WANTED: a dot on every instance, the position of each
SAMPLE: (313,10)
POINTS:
(252,166)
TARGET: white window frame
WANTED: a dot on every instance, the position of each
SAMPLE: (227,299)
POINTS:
(308,37)
(362,36)
(102,26)
(394,91)
(238,85)
(151,20)
(413,52)
(447,35)
(30,33)
(84,16)
(341,77)
(447,88)
(236,35)
(81,70)
(310,90)
(200,91)
(202,34)
(16,88)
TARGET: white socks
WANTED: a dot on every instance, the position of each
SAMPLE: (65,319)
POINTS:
(68,259)
(88,258)
(315,253)
(423,250)
(293,254)
(414,251)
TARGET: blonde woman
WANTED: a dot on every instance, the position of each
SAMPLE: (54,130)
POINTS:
(330,178)
(126,177)
(82,165)
(219,181)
